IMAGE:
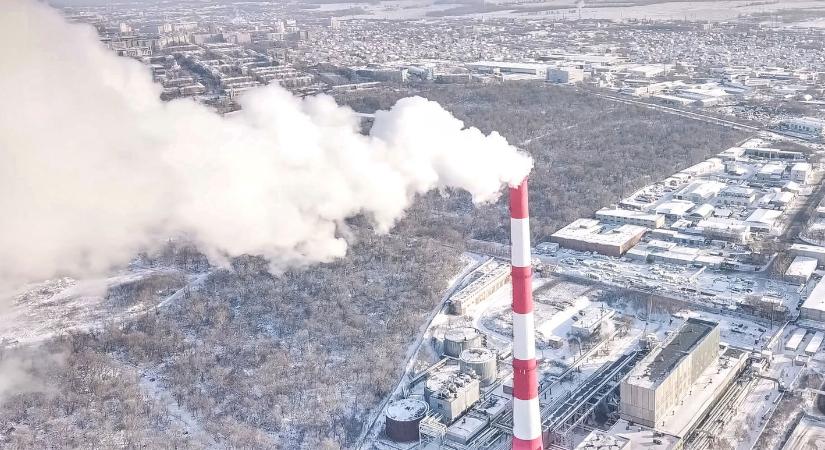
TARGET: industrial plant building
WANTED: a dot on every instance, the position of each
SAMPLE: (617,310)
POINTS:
(814,306)
(660,381)
(565,75)
(629,217)
(590,320)
(590,235)
(812,251)
(801,269)
(808,126)
(450,394)
(488,278)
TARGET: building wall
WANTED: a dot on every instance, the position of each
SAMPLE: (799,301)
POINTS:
(658,222)
(647,405)
(615,250)
(812,314)
(451,408)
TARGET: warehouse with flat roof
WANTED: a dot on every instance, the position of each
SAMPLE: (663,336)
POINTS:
(590,235)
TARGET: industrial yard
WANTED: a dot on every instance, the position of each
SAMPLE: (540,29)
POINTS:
(683,317)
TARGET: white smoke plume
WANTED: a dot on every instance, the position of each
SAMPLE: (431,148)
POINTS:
(94,167)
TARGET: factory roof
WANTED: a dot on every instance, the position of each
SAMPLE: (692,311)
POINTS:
(702,393)
(627,214)
(703,210)
(815,249)
(702,188)
(598,440)
(591,230)
(816,299)
(508,65)
(675,207)
(802,266)
(463,430)
(656,366)
(765,217)
(643,438)
(737,191)
(486,273)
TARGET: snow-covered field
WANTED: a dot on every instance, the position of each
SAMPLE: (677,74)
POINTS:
(40,311)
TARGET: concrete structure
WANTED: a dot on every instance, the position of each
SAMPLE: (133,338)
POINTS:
(763,219)
(526,416)
(466,429)
(565,75)
(809,434)
(643,438)
(801,269)
(771,171)
(800,172)
(699,191)
(815,343)
(813,308)
(773,153)
(598,440)
(539,70)
(670,253)
(812,251)
(736,195)
(808,126)
(403,417)
(456,340)
(481,362)
(589,235)
(488,278)
(795,339)
(675,209)
(590,320)
(450,394)
(660,380)
(626,216)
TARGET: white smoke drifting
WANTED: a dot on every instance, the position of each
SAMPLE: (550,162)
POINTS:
(94,167)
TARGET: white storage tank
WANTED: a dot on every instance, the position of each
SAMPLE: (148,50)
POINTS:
(456,340)
(482,362)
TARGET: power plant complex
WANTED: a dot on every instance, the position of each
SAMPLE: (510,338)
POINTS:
(622,338)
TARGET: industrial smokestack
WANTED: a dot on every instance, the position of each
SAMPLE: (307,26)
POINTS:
(526,417)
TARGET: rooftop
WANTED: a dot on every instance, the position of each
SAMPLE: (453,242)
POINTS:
(816,299)
(407,409)
(598,440)
(591,230)
(659,364)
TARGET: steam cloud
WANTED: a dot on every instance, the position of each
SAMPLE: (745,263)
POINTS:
(94,167)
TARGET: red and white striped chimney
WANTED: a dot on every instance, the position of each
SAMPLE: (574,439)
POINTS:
(526,416)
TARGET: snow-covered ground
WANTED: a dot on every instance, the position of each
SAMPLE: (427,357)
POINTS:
(40,311)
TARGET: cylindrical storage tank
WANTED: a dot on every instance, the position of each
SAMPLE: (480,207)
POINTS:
(456,340)
(403,417)
(482,361)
